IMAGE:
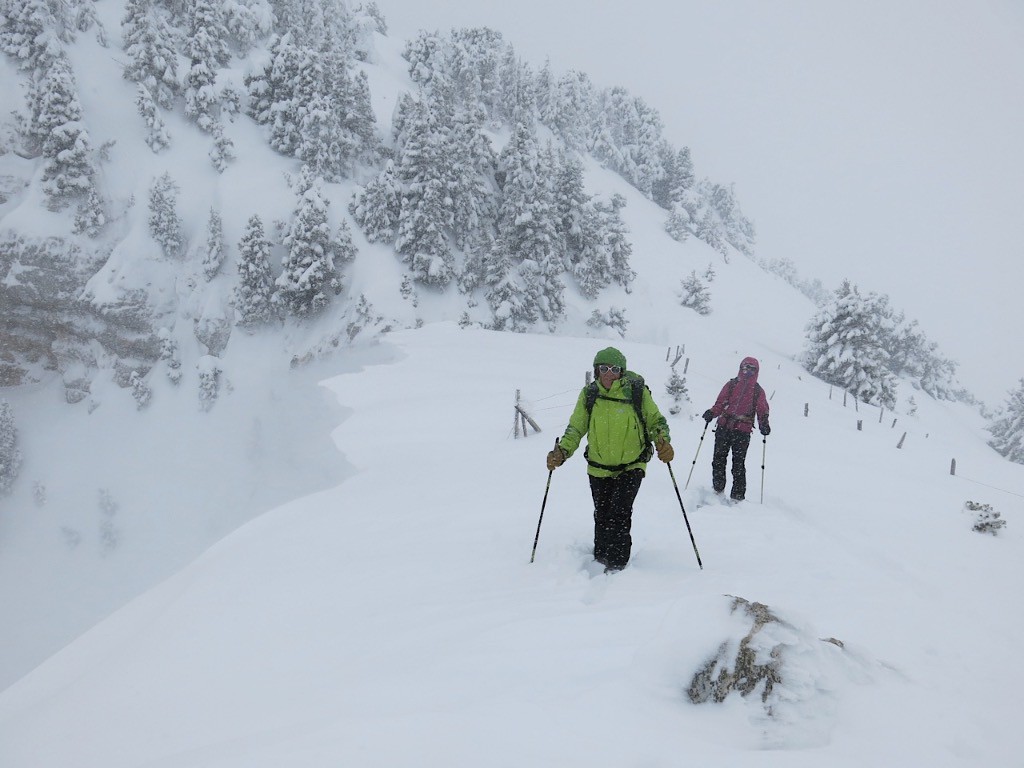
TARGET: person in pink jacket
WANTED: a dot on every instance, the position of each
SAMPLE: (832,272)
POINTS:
(740,401)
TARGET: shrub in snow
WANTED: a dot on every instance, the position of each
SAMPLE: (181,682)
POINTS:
(90,218)
(408,291)
(71,536)
(693,293)
(169,354)
(678,224)
(110,537)
(10,455)
(140,390)
(209,381)
(676,389)
(223,150)
(364,317)
(986,519)
(614,318)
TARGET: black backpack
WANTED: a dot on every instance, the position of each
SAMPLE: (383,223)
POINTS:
(636,390)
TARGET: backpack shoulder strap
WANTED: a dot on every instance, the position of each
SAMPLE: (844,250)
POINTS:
(591,396)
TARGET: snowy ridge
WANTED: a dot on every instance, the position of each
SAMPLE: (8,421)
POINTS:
(395,619)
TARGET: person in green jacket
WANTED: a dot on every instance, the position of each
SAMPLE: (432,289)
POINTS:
(617,452)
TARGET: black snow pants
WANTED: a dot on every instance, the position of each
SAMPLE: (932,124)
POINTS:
(613,516)
(737,442)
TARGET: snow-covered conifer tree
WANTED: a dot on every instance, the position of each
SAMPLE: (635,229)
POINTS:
(164,222)
(206,50)
(149,47)
(342,247)
(68,172)
(473,60)
(247,21)
(571,203)
(309,277)
(376,206)
(527,219)
(157,136)
(512,309)
(1007,427)
(676,177)
(255,281)
(846,345)
(569,114)
(425,215)
(425,54)
(213,257)
(627,138)
(28,33)
(678,224)
(619,248)
(471,163)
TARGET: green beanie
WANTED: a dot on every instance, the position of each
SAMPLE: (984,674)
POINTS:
(610,356)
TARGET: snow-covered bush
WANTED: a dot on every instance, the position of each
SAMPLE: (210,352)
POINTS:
(848,344)
(10,455)
(614,318)
(676,389)
(1007,427)
(693,293)
(986,519)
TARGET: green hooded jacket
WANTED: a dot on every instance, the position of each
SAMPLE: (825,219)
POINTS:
(614,434)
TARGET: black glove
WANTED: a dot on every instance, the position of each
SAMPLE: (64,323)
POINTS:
(708,416)
(765,429)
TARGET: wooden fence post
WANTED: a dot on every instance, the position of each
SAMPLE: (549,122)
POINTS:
(952,467)
(900,443)
(860,425)
(523,417)
(807,407)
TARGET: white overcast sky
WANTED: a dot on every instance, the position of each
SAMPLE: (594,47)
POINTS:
(880,140)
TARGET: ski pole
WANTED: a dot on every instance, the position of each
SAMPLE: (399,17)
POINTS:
(543,504)
(706,423)
(688,529)
(764,450)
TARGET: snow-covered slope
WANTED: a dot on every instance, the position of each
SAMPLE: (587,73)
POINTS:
(394,619)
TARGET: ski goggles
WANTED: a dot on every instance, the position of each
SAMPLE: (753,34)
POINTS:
(610,369)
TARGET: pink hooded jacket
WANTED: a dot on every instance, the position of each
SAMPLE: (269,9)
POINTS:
(741,399)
